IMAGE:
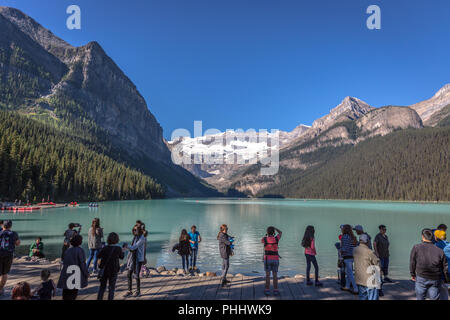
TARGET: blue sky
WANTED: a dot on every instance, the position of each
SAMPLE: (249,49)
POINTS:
(262,63)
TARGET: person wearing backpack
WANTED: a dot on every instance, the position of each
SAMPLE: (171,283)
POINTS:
(271,258)
(8,241)
(109,266)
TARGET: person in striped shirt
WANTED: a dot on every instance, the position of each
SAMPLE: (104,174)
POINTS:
(348,243)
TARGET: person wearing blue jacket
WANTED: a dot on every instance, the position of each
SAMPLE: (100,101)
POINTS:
(440,242)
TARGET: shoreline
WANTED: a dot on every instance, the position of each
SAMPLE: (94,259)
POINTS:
(36,207)
(166,285)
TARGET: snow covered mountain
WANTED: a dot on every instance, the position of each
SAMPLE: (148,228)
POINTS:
(213,155)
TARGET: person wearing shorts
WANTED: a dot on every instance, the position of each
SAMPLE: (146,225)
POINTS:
(271,258)
(8,241)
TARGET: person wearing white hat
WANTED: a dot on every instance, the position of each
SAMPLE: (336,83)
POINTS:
(367,270)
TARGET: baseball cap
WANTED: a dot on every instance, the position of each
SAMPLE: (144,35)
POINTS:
(364,238)
(358,227)
(7,223)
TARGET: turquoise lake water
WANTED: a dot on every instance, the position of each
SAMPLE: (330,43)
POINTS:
(247,221)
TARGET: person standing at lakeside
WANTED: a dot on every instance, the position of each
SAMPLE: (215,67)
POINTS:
(68,235)
(9,240)
(135,260)
(440,242)
(441,227)
(309,244)
(95,235)
(271,258)
(74,256)
(360,231)
(184,249)
(195,240)
(145,272)
(109,266)
(381,247)
(225,242)
(427,265)
(348,243)
(367,270)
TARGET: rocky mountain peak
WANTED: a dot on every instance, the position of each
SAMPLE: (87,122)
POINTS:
(431,110)
(349,109)
(443,91)
(33,29)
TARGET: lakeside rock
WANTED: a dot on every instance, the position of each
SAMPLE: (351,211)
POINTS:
(160,269)
(180,272)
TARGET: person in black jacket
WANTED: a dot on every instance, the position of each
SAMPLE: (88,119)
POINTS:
(74,256)
(225,251)
(184,249)
(109,265)
(427,264)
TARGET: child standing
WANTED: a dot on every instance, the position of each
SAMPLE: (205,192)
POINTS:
(308,243)
(47,288)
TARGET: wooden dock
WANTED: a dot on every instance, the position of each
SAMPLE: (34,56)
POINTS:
(176,287)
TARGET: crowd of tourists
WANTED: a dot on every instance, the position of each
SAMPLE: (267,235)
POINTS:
(363,264)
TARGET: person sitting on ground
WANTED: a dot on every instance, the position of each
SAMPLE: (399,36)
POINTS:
(74,256)
(21,291)
(360,231)
(47,289)
(309,244)
(367,270)
(441,237)
(271,258)
(37,249)
(427,265)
